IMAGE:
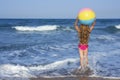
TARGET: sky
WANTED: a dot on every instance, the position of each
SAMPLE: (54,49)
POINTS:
(57,8)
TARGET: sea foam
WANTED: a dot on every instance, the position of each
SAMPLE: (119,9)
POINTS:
(117,26)
(10,70)
(38,28)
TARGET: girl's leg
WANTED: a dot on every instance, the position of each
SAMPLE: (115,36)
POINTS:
(81,58)
(86,57)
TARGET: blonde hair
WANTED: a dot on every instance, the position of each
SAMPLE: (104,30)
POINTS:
(84,34)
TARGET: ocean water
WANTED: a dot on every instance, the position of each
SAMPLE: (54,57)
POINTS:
(49,47)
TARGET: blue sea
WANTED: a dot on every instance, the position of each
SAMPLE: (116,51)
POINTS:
(49,47)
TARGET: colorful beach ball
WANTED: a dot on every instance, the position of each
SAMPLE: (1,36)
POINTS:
(86,16)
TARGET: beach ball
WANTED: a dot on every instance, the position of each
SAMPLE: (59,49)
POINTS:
(86,16)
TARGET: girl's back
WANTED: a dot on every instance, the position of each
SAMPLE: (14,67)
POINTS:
(84,34)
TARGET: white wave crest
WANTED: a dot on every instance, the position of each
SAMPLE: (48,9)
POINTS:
(10,70)
(38,28)
(117,26)
(56,65)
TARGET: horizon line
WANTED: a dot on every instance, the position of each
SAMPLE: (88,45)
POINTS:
(54,18)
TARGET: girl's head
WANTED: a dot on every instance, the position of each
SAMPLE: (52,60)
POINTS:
(84,27)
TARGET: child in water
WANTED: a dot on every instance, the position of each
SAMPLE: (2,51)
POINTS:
(83,33)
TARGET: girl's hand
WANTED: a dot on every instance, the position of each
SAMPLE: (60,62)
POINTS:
(76,24)
(94,22)
(77,18)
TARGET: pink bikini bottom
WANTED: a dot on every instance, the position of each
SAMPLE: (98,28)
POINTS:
(83,46)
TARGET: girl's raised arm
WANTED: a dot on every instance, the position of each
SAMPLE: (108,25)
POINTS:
(76,25)
(91,28)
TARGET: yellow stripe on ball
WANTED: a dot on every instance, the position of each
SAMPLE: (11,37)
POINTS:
(86,14)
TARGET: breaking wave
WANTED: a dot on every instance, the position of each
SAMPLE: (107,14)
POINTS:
(38,28)
(10,70)
(117,26)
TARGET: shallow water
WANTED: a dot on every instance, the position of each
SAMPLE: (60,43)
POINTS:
(49,47)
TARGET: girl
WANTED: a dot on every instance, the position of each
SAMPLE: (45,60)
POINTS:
(83,33)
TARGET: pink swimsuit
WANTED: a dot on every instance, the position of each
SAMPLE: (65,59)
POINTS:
(83,46)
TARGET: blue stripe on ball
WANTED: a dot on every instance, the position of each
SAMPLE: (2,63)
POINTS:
(87,22)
